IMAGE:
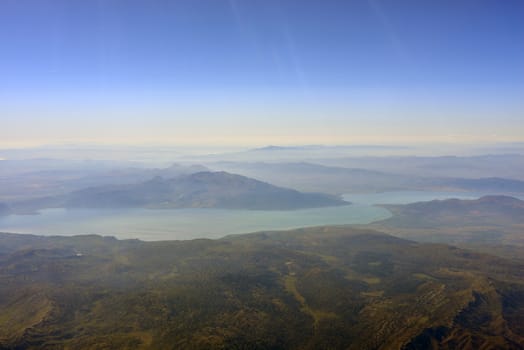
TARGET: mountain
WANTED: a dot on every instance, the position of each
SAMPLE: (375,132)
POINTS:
(489,184)
(458,212)
(490,223)
(132,175)
(22,180)
(312,177)
(297,153)
(316,288)
(197,190)
(277,148)
(4,209)
(305,176)
(510,166)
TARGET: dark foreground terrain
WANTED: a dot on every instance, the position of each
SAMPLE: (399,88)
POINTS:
(318,288)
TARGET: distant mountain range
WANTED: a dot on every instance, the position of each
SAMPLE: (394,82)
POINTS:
(508,166)
(324,147)
(495,184)
(197,190)
(306,176)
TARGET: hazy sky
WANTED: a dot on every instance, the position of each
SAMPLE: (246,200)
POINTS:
(261,71)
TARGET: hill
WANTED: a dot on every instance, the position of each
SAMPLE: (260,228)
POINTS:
(481,223)
(493,184)
(197,190)
(510,166)
(491,210)
(307,176)
(30,179)
(325,287)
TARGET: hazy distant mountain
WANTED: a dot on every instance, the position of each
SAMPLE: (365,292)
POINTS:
(198,190)
(491,223)
(25,179)
(4,209)
(316,288)
(298,153)
(132,175)
(492,184)
(509,166)
(305,176)
(327,148)
(485,210)
(276,148)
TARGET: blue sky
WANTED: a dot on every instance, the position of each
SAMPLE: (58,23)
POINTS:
(261,71)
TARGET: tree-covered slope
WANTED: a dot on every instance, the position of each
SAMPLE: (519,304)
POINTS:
(318,288)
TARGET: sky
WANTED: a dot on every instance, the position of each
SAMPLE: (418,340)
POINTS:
(255,72)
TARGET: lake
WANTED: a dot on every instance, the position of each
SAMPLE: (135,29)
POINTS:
(181,224)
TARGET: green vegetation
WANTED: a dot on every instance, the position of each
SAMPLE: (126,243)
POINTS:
(317,288)
(491,224)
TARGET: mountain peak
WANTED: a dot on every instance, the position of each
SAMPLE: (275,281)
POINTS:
(203,189)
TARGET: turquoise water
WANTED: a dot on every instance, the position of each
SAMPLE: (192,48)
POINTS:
(404,197)
(172,224)
(178,224)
